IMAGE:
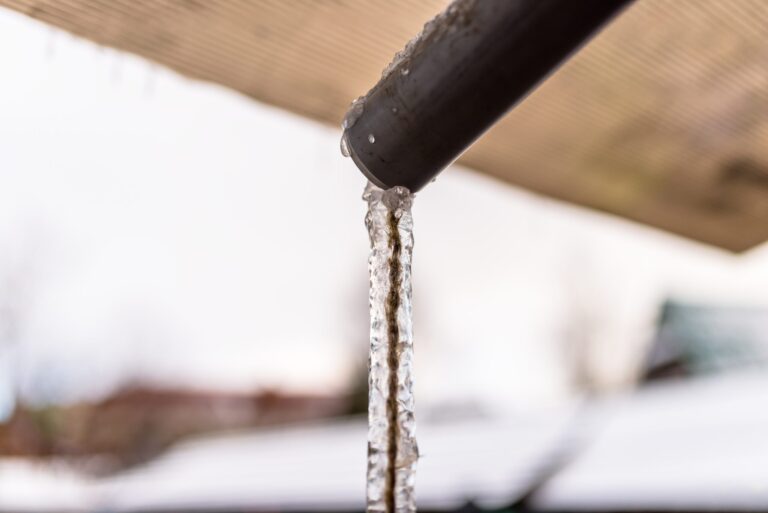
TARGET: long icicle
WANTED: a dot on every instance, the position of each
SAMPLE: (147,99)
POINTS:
(392,450)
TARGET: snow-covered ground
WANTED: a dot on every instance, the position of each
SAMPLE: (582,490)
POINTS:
(27,485)
(691,445)
(695,445)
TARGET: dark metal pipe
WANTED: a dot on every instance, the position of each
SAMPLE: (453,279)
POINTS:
(470,66)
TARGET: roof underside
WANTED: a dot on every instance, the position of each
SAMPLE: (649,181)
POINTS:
(662,118)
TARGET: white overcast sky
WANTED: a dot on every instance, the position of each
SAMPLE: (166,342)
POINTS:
(164,229)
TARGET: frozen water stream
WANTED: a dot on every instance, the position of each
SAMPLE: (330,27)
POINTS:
(392,450)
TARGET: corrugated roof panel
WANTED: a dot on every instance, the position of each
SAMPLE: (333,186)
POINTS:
(662,119)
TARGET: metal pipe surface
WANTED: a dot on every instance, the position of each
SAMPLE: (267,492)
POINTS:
(472,64)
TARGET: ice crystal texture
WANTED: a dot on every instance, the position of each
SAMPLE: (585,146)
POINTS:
(454,14)
(392,450)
